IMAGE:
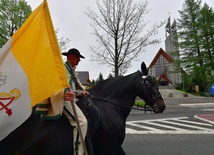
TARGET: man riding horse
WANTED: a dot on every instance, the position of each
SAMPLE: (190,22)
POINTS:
(113,99)
(52,107)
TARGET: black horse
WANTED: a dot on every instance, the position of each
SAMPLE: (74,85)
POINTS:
(113,97)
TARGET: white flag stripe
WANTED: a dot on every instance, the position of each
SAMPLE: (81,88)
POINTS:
(25,79)
(14,80)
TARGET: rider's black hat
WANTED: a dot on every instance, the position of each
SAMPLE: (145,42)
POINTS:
(73,51)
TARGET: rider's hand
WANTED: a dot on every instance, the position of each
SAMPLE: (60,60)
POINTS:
(85,93)
(69,96)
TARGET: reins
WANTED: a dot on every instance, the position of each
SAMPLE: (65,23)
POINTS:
(105,100)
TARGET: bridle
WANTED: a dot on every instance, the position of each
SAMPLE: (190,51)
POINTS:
(152,102)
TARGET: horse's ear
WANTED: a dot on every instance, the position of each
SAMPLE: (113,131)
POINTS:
(144,69)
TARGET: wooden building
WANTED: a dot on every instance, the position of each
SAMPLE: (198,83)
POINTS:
(84,78)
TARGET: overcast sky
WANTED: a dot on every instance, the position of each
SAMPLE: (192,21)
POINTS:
(68,16)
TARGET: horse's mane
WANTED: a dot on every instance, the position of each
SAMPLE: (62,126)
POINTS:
(112,83)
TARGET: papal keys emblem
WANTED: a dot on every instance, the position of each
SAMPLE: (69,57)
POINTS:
(7,98)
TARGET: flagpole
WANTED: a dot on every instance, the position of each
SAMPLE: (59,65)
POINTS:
(78,127)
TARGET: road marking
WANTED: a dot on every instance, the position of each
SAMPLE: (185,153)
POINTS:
(191,122)
(178,125)
(207,109)
(198,105)
(203,106)
(204,119)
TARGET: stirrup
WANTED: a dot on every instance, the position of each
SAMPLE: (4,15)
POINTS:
(76,147)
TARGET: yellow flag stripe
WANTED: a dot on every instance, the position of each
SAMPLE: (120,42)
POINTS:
(36,49)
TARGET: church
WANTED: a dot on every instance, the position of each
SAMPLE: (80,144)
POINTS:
(163,65)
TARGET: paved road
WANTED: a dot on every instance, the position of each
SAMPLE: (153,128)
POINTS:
(185,128)
(185,118)
(205,103)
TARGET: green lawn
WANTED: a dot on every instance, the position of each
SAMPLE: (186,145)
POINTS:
(139,103)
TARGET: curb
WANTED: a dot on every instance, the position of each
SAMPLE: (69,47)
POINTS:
(209,118)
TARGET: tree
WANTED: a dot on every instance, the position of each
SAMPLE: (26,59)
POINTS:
(206,21)
(109,76)
(189,39)
(13,13)
(120,32)
(196,36)
(63,42)
(93,83)
(100,78)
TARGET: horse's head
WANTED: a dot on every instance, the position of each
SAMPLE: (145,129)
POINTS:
(149,92)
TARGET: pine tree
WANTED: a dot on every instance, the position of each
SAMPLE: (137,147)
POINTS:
(190,41)
(206,21)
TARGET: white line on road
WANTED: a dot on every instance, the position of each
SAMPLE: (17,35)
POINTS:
(202,105)
(168,127)
(191,122)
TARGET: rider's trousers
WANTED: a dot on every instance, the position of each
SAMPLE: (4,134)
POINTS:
(82,121)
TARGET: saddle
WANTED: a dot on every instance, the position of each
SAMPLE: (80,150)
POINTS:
(86,104)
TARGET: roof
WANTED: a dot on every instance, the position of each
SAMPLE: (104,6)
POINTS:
(163,76)
(164,54)
(84,77)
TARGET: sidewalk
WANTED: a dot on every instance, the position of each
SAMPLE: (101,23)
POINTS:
(206,118)
(175,93)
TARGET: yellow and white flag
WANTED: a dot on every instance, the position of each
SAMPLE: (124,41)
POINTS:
(31,69)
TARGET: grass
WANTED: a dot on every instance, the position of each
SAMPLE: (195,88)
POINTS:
(139,103)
